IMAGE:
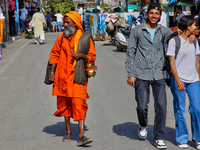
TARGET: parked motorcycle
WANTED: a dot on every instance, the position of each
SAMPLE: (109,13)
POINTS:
(29,33)
(122,37)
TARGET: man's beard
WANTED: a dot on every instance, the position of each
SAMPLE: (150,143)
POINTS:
(69,31)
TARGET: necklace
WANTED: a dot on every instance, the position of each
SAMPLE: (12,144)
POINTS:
(71,48)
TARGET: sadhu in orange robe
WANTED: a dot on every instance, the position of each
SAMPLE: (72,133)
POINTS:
(71,96)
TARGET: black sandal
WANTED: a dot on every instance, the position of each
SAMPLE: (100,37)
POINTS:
(67,137)
(83,141)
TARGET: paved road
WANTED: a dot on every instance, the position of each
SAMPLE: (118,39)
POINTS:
(26,104)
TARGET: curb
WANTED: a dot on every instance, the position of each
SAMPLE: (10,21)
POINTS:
(6,42)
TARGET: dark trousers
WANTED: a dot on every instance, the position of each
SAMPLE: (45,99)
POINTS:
(12,28)
(142,93)
(48,26)
(22,25)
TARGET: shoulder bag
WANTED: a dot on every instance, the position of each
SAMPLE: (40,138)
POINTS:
(48,69)
(43,23)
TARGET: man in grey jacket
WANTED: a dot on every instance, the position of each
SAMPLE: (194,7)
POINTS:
(144,64)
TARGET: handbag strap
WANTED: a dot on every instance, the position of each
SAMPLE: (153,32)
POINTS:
(92,59)
(61,42)
(39,17)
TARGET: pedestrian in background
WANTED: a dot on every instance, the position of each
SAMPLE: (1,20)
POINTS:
(48,21)
(23,16)
(12,14)
(105,11)
(178,14)
(71,94)
(32,11)
(59,20)
(72,8)
(80,11)
(54,22)
(144,65)
(37,20)
(185,79)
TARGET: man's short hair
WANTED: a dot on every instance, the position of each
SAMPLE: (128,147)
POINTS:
(38,9)
(179,7)
(58,11)
(72,8)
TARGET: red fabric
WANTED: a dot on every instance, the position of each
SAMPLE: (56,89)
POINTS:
(71,107)
(144,2)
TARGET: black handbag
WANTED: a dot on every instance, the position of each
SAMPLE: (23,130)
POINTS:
(48,69)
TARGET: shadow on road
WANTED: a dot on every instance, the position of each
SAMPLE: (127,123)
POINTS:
(37,44)
(108,44)
(124,50)
(58,129)
(130,130)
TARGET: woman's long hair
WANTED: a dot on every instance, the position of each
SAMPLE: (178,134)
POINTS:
(183,23)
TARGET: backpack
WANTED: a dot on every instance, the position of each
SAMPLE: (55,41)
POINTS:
(166,69)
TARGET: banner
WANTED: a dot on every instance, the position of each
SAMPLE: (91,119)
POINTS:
(11,2)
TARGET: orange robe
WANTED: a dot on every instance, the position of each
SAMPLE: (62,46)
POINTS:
(64,84)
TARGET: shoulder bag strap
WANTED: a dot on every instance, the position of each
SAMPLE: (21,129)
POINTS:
(139,32)
(39,17)
(61,41)
(178,44)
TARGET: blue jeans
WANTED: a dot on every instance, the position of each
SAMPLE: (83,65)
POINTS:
(193,92)
(59,26)
(23,25)
(142,92)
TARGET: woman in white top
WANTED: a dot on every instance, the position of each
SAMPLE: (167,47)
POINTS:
(185,78)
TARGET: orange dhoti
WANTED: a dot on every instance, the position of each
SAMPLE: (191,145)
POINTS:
(71,107)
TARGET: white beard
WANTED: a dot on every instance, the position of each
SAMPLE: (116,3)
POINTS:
(69,31)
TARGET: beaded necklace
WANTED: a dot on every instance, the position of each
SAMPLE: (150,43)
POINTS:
(71,48)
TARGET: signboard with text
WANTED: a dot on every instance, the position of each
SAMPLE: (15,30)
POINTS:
(12,2)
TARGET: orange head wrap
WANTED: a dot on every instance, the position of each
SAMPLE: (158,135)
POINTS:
(76,18)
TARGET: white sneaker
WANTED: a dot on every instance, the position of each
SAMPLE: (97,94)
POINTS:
(182,145)
(142,132)
(197,144)
(160,144)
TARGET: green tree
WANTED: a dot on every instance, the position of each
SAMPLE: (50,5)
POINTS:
(54,5)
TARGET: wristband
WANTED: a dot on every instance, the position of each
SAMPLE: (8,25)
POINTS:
(51,72)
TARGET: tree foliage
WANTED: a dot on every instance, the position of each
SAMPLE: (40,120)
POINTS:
(54,5)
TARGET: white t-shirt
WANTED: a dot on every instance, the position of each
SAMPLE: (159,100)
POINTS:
(185,61)
(59,17)
(163,19)
(80,12)
(179,17)
(24,12)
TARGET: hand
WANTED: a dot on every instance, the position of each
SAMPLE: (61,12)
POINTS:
(179,31)
(191,38)
(180,86)
(131,81)
(52,76)
(175,14)
(76,55)
(30,27)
